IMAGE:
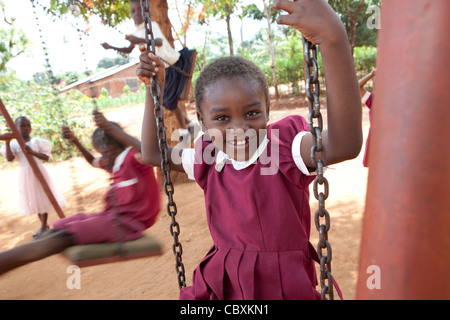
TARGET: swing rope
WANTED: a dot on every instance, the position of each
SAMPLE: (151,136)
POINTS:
(319,159)
(52,80)
(163,148)
(98,253)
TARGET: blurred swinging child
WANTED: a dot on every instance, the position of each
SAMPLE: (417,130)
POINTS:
(132,201)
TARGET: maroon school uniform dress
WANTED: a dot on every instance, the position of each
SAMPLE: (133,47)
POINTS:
(260,223)
(134,195)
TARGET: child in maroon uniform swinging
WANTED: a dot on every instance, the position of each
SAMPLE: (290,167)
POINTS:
(255,177)
(132,201)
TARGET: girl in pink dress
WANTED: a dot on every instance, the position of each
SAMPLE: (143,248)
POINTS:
(255,177)
(32,197)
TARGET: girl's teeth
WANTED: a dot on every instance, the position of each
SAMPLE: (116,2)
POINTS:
(237,143)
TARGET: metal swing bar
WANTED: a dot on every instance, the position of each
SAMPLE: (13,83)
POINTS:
(405,244)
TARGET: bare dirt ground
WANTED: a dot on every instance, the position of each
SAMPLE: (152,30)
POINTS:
(154,278)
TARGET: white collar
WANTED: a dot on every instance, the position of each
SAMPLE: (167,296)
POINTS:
(222,158)
(119,160)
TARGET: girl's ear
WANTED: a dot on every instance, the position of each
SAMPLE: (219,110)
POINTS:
(200,120)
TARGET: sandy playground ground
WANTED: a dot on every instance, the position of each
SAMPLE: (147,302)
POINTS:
(154,278)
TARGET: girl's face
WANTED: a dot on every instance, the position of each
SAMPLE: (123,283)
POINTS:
(24,126)
(109,154)
(136,13)
(234,111)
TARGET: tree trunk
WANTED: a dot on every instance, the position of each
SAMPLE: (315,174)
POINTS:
(353,18)
(272,51)
(159,12)
(230,37)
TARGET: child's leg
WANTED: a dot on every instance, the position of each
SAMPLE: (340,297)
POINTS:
(36,250)
(43,217)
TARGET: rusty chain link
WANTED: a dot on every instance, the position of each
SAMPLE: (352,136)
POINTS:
(163,148)
(319,159)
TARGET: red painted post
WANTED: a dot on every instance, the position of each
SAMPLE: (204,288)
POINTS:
(405,247)
(31,160)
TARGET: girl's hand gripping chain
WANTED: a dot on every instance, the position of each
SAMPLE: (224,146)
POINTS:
(68,134)
(319,24)
(150,66)
(315,19)
(100,120)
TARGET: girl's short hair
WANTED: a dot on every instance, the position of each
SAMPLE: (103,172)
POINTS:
(226,68)
(100,137)
(19,119)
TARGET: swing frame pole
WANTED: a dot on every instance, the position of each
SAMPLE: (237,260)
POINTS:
(405,246)
(31,160)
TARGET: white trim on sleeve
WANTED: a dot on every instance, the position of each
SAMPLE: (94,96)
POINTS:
(187,160)
(127,183)
(366,97)
(296,154)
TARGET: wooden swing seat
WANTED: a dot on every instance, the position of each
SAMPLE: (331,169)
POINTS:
(101,253)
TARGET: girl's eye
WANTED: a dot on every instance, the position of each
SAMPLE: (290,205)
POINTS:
(221,118)
(252,113)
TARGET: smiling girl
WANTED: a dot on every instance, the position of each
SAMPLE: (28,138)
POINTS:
(260,223)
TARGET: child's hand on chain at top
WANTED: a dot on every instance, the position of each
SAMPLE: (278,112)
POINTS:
(68,134)
(100,120)
(150,66)
(315,19)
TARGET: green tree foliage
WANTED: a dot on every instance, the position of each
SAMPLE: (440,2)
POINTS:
(353,15)
(67,77)
(365,58)
(13,41)
(47,113)
(37,99)
(112,12)
(223,9)
(289,56)
(106,63)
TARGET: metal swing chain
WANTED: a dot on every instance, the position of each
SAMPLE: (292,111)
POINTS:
(163,148)
(319,159)
(59,103)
